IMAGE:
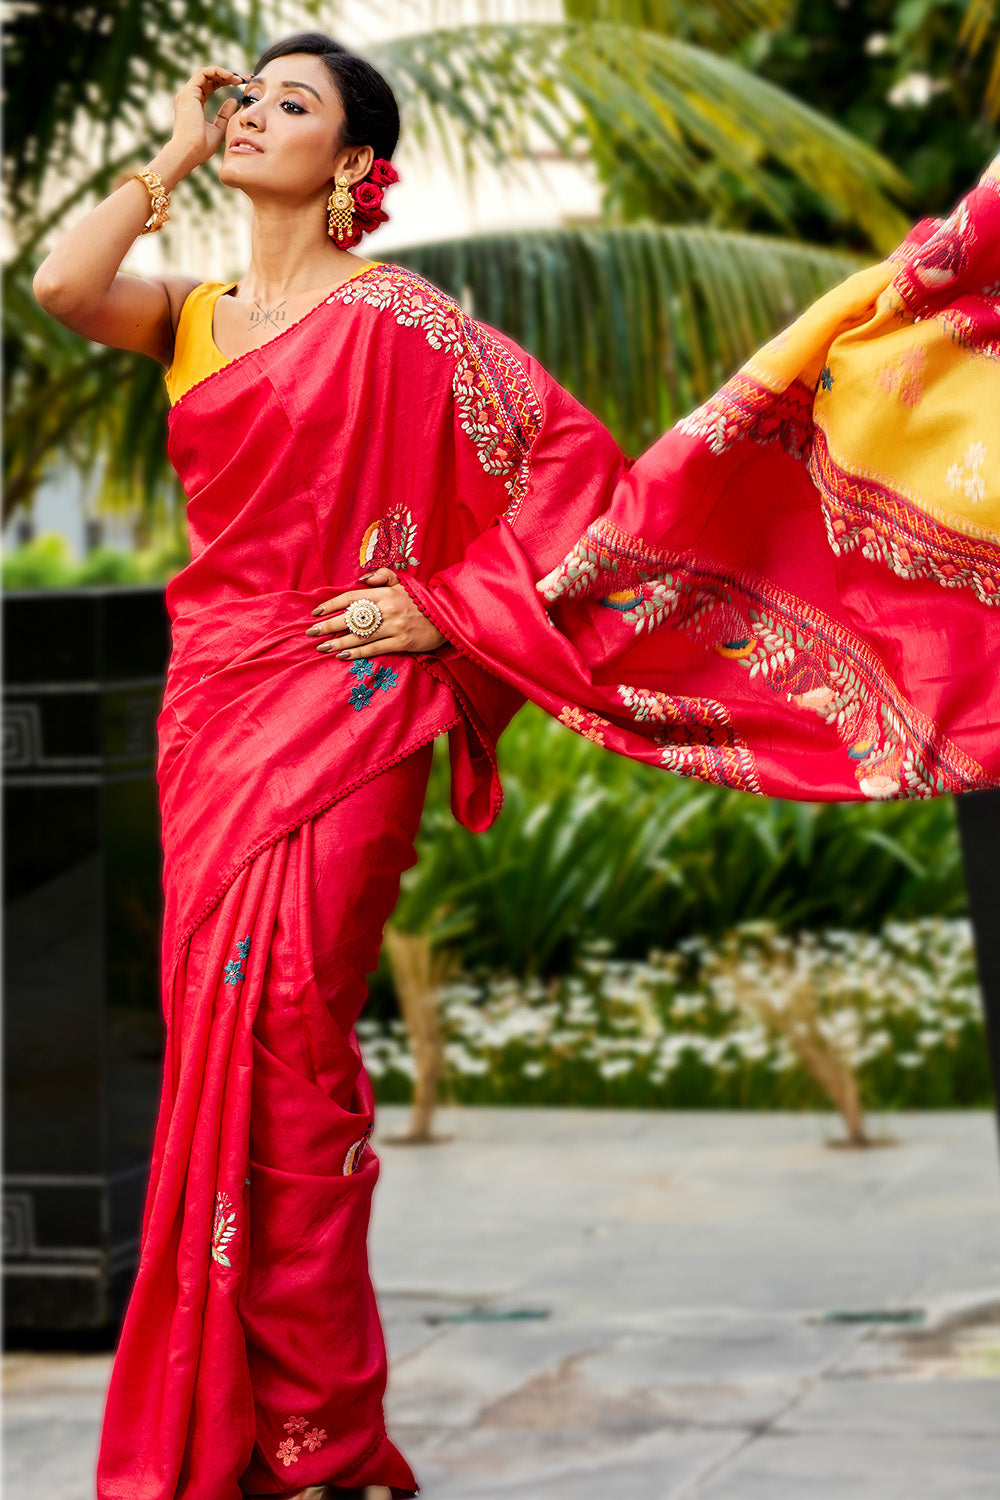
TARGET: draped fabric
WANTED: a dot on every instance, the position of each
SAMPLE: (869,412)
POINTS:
(797,589)
(792,592)
(252,1360)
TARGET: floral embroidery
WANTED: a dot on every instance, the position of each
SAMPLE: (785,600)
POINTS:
(904,376)
(858,511)
(234,973)
(352,1160)
(793,648)
(967,476)
(698,736)
(864,514)
(223,1228)
(591,726)
(825,379)
(498,406)
(312,1440)
(745,410)
(389,541)
(938,261)
(363,690)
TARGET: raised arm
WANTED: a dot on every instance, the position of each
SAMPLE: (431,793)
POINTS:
(79,282)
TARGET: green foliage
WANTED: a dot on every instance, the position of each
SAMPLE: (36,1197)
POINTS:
(73,70)
(664,120)
(673,1031)
(46,563)
(852,59)
(639,322)
(590,844)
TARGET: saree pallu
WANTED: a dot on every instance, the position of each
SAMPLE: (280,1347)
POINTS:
(794,591)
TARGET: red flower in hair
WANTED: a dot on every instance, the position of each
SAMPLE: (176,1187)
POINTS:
(367,196)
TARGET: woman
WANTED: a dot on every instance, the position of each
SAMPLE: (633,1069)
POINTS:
(371,474)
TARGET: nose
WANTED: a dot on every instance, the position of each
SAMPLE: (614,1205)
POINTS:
(246,118)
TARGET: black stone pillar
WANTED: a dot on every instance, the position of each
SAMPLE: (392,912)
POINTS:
(82,1027)
(979,827)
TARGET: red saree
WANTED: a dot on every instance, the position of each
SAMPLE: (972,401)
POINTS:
(792,592)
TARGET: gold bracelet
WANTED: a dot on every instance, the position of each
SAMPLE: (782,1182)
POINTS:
(158,199)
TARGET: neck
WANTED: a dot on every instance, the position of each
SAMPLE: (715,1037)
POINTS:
(290,251)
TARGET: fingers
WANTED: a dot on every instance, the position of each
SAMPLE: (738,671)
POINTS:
(206,80)
(331,611)
(226,110)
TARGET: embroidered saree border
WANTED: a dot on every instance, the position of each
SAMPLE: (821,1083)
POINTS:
(499,407)
(792,646)
(860,511)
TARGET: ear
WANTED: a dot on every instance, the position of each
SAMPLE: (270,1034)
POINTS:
(355,162)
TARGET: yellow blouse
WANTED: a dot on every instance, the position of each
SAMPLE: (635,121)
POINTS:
(195,352)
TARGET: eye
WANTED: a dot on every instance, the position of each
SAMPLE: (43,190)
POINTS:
(285,103)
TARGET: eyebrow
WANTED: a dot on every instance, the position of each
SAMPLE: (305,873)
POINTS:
(289,83)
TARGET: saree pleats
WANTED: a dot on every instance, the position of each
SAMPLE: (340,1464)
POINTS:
(252,1359)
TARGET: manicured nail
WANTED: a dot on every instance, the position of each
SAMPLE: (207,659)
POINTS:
(319,610)
(344,655)
(315,630)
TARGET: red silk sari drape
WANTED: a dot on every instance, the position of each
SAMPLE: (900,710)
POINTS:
(791,592)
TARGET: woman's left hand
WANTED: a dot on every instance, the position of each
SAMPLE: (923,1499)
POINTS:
(403,627)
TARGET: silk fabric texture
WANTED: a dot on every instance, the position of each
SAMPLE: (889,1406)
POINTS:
(792,592)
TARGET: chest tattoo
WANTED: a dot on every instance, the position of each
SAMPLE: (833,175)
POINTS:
(267,317)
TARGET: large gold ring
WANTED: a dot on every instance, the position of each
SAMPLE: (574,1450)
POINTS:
(363,617)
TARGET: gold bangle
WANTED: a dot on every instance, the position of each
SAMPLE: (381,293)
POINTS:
(159,201)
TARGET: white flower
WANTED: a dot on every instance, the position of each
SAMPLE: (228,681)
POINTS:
(975,455)
(876,44)
(916,88)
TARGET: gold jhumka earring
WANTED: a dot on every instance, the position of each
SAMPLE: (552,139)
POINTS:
(340,206)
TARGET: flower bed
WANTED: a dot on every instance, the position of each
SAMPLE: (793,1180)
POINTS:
(683,1029)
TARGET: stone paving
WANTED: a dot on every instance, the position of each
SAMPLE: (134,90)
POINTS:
(589,1305)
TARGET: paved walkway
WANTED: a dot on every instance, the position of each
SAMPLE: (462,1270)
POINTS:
(625,1306)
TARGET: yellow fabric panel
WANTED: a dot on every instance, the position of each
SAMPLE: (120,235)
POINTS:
(871,363)
(885,368)
(195,354)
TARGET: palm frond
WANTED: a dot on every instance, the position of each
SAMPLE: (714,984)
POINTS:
(76,71)
(980,27)
(639,322)
(648,109)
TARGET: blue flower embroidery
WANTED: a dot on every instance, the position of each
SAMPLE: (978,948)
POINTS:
(234,973)
(380,677)
(826,378)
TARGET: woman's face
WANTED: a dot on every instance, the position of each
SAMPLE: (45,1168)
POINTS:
(292,118)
